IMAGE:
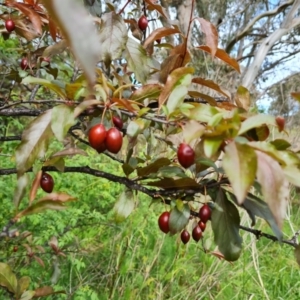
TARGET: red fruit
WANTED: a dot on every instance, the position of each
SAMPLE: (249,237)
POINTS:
(117,122)
(101,148)
(185,155)
(143,23)
(10,25)
(114,140)
(15,248)
(97,136)
(204,213)
(280,123)
(158,41)
(163,222)
(197,233)
(24,63)
(47,183)
(185,236)
(202,225)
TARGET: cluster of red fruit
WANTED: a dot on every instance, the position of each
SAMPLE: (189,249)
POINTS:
(110,140)
(204,215)
(10,26)
(47,183)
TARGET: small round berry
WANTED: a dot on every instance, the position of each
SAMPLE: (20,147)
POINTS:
(10,25)
(24,63)
(163,222)
(143,23)
(197,233)
(205,213)
(47,183)
(185,236)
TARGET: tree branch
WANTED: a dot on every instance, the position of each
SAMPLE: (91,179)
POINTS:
(131,184)
(152,193)
(10,138)
(288,23)
(246,30)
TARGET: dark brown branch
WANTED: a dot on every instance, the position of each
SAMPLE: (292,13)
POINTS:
(155,193)
(20,112)
(259,234)
(131,184)
(10,138)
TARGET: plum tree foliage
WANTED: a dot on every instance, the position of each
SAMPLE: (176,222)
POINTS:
(122,77)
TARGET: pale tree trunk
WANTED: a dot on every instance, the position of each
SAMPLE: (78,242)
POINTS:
(183,15)
(288,23)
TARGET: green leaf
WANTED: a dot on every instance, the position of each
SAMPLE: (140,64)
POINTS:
(27,295)
(113,37)
(225,222)
(35,140)
(127,169)
(211,146)
(258,208)
(179,217)
(180,76)
(78,28)
(215,120)
(257,121)
(170,172)
(203,163)
(135,127)
(40,207)
(281,144)
(240,165)
(243,97)
(192,130)
(179,92)
(57,162)
(202,112)
(138,61)
(20,190)
(147,91)
(52,86)
(62,120)
(283,157)
(74,90)
(124,206)
(8,279)
(275,188)
(23,284)
(153,167)
(292,174)
(176,97)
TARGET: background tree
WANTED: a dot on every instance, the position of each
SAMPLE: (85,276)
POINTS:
(86,97)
